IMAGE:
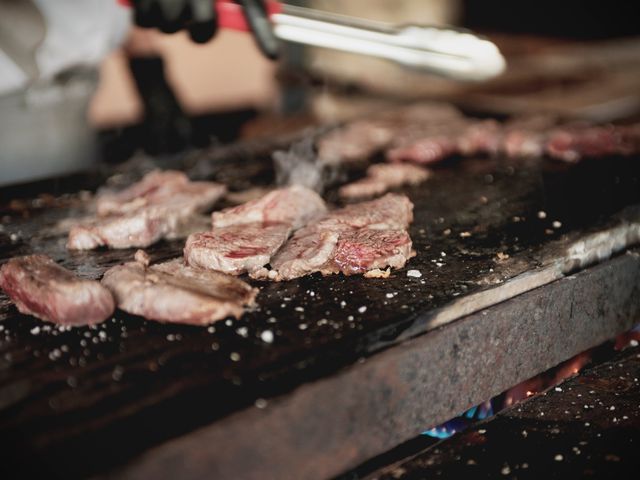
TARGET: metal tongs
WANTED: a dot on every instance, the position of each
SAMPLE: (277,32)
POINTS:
(448,52)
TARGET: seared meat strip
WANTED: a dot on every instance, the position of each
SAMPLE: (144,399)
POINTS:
(383,177)
(571,144)
(424,151)
(174,293)
(295,206)
(42,288)
(360,139)
(353,240)
(308,251)
(525,137)
(161,212)
(392,211)
(153,187)
(365,249)
(237,248)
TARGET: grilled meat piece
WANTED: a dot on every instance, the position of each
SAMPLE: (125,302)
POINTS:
(392,211)
(521,137)
(425,151)
(365,249)
(244,238)
(152,189)
(383,177)
(571,144)
(293,205)
(525,137)
(354,240)
(42,288)
(175,293)
(308,251)
(480,138)
(161,212)
(236,249)
(360,139)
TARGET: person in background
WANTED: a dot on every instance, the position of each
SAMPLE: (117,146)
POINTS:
(50,52)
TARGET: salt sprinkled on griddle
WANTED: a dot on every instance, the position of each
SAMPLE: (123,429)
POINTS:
(117,373)
(267,336)
(362,309)
(242,331)
(414,273)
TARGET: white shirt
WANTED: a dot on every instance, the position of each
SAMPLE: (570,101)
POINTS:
(78,33)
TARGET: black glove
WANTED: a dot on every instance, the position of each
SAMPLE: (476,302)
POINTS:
(200,19)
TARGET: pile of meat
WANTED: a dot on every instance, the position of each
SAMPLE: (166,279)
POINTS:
(157,207)
(359,239)
(285,234)
(428,133)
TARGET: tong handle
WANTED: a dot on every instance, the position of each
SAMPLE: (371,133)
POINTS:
(230,14)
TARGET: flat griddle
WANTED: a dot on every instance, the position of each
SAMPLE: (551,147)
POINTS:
(90,401)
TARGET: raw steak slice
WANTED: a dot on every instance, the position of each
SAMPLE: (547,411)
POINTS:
(295,205)
(174,293)
(383,177)
(236,249)
(42,288)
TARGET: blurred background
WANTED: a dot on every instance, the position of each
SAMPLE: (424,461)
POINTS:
(165,94)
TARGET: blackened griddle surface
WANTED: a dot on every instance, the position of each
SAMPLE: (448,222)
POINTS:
(83,401)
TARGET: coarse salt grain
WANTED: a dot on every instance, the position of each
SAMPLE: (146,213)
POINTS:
(267,336)
(414,273)
(362,309)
